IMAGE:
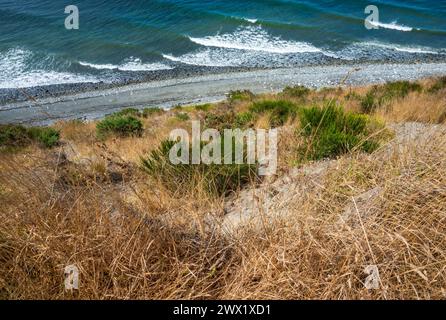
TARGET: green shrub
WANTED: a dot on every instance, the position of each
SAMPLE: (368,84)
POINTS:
(203,107)
(120,125)
(244,119)
(148,112)
(46,136)
(182,116)
(145,113)
(128,112)
(440,84)
(280,111)
(14,136)
(20,136)
(229,120)
(300,92)
(331,132)
(220,121)
(241,95)
(400,89)
(370,102)
(215,179)
(353,96)
(379,96)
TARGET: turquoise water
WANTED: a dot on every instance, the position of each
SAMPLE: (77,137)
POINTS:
(119,39)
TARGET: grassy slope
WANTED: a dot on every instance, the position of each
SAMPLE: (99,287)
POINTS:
(86,202)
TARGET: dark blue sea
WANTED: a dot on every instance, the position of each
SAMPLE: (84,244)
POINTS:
(118,38)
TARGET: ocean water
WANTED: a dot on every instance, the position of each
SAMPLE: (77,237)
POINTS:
(120,39)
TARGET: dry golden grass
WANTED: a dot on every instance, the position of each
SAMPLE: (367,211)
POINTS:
(418,107)
(133,239)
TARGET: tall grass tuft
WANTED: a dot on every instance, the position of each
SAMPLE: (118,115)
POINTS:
(330,132)
(214,179)
(121,125)
(19,136)
(300,92)
(279,111)
(381,95)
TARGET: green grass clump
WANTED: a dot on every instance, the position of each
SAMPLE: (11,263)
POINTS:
(128,112)
(440,84)
(240,95)
(46,136)
(14,136)
(203,107)
(280,111)
(370,102)
(220,121)
(148,112)
(352,96)
(145,113)
(126,125)
(182,116)
(379,96)
(229,120)
(244,119)
(330,132)
(400,89)
(214,179)
(300,92)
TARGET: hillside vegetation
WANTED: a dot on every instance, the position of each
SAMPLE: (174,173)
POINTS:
(361,181)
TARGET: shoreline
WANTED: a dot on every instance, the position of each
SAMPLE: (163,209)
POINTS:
(207,88)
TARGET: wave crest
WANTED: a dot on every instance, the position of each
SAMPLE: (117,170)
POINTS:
(20,71)
(131,64)
(254,38)
(392,26)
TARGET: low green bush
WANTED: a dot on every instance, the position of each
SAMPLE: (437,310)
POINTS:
(46,136)
(148,112)
(215,179)
(13,136)
(280,111)
(240,95)
(244,119)
(220,121)
(145,113)
(128,112)
(126,125)
(203,107)
(330,132)
(439,84)
(400,89)
(183,116)
(370,102)
(351,96)
(300,92)
(380,95)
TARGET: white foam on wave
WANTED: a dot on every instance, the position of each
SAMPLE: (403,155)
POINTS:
(16,72)
(399,48)
(392,26)
(220,57)
(131,64)
(251,20)
(375,50)
(254,38)
(207,58)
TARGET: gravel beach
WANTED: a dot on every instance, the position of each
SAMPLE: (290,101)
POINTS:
(99,100)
